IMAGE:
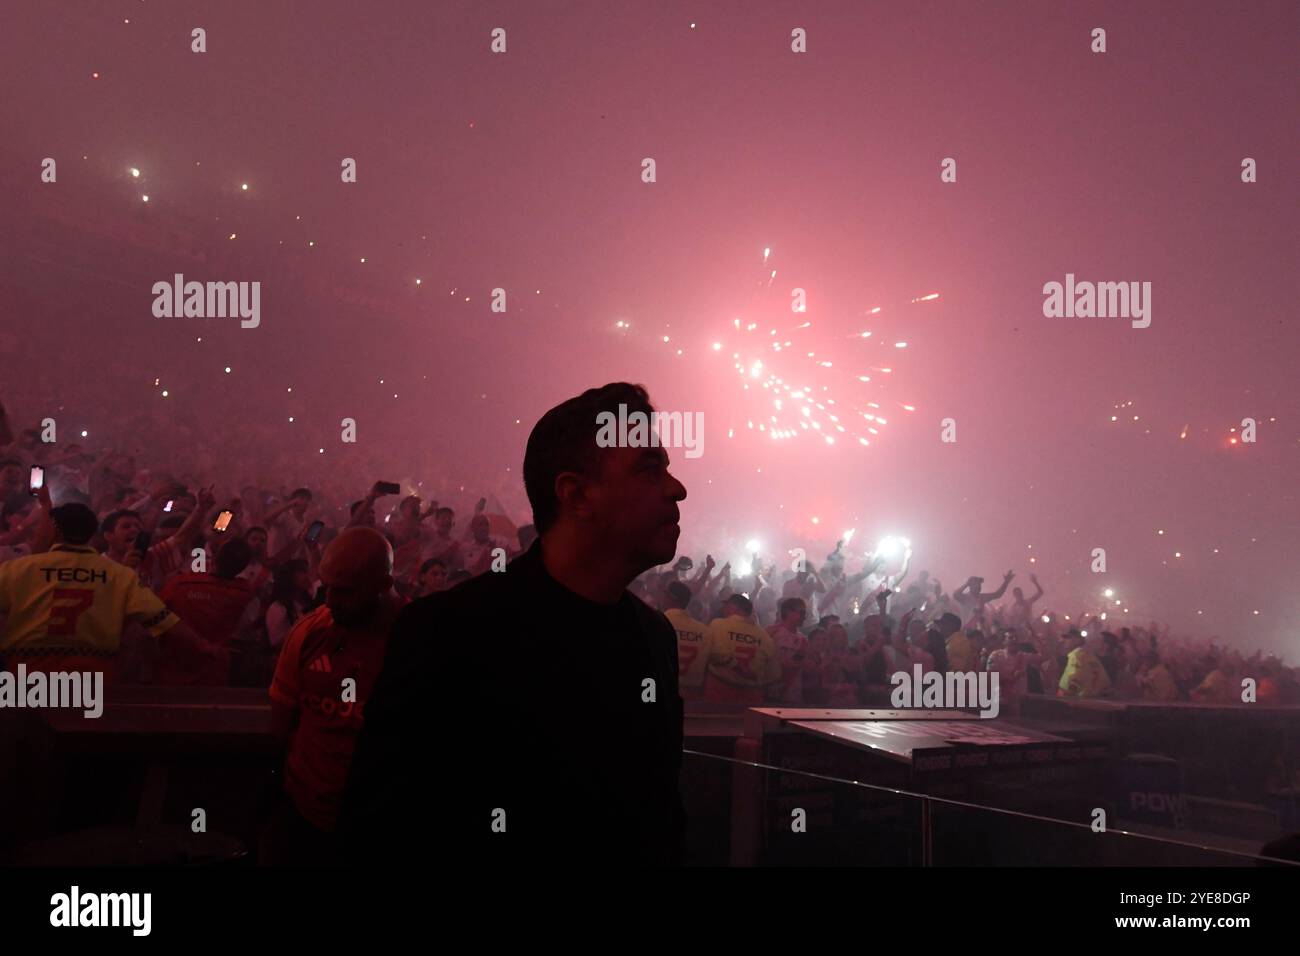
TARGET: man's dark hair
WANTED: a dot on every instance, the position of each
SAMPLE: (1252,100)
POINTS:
(949,622)
(564,439)
(111,521)
(741,604)
(791,604)
(300,493)
(232,557)
(444,510)
(679,595)
(283,589)
(75,522)
(432,563)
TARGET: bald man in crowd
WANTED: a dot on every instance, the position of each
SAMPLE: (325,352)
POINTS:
(323,679)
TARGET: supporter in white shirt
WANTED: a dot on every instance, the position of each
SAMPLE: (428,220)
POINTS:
(807,585)
(285,522)
(71,478)
(291,596)
(1012,666)
(259,572)
(1022,608)
(477,551)
(790,647)
(441,544)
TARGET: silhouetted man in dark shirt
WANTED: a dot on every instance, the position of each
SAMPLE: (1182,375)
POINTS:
(532,715)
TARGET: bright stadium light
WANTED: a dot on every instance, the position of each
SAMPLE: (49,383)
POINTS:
(891,546)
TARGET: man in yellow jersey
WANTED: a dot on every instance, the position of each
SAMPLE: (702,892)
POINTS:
(1156,681)
(962,655)
(692,642)
(744,659)
(1085,675)
(1216,688)
(66,607)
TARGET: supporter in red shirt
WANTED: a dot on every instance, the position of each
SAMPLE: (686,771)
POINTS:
(169,550)
(323,679)
(220,606)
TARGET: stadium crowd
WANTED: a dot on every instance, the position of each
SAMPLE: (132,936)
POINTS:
(801,634)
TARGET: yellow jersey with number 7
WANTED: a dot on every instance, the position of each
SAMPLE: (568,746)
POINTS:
(70,600)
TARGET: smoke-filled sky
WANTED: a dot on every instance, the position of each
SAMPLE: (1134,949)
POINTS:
(523,171)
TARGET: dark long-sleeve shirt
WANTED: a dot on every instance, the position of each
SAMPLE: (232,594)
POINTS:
(511,693)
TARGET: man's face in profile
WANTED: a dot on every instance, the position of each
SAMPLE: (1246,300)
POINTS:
(124,533)
(634,501)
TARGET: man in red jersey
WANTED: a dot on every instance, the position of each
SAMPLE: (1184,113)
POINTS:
(221,606)
(323,679)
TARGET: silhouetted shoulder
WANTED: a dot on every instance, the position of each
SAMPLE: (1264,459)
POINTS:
(652,617)
(476,594)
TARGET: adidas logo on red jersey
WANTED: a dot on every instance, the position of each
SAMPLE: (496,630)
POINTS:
(321,663)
